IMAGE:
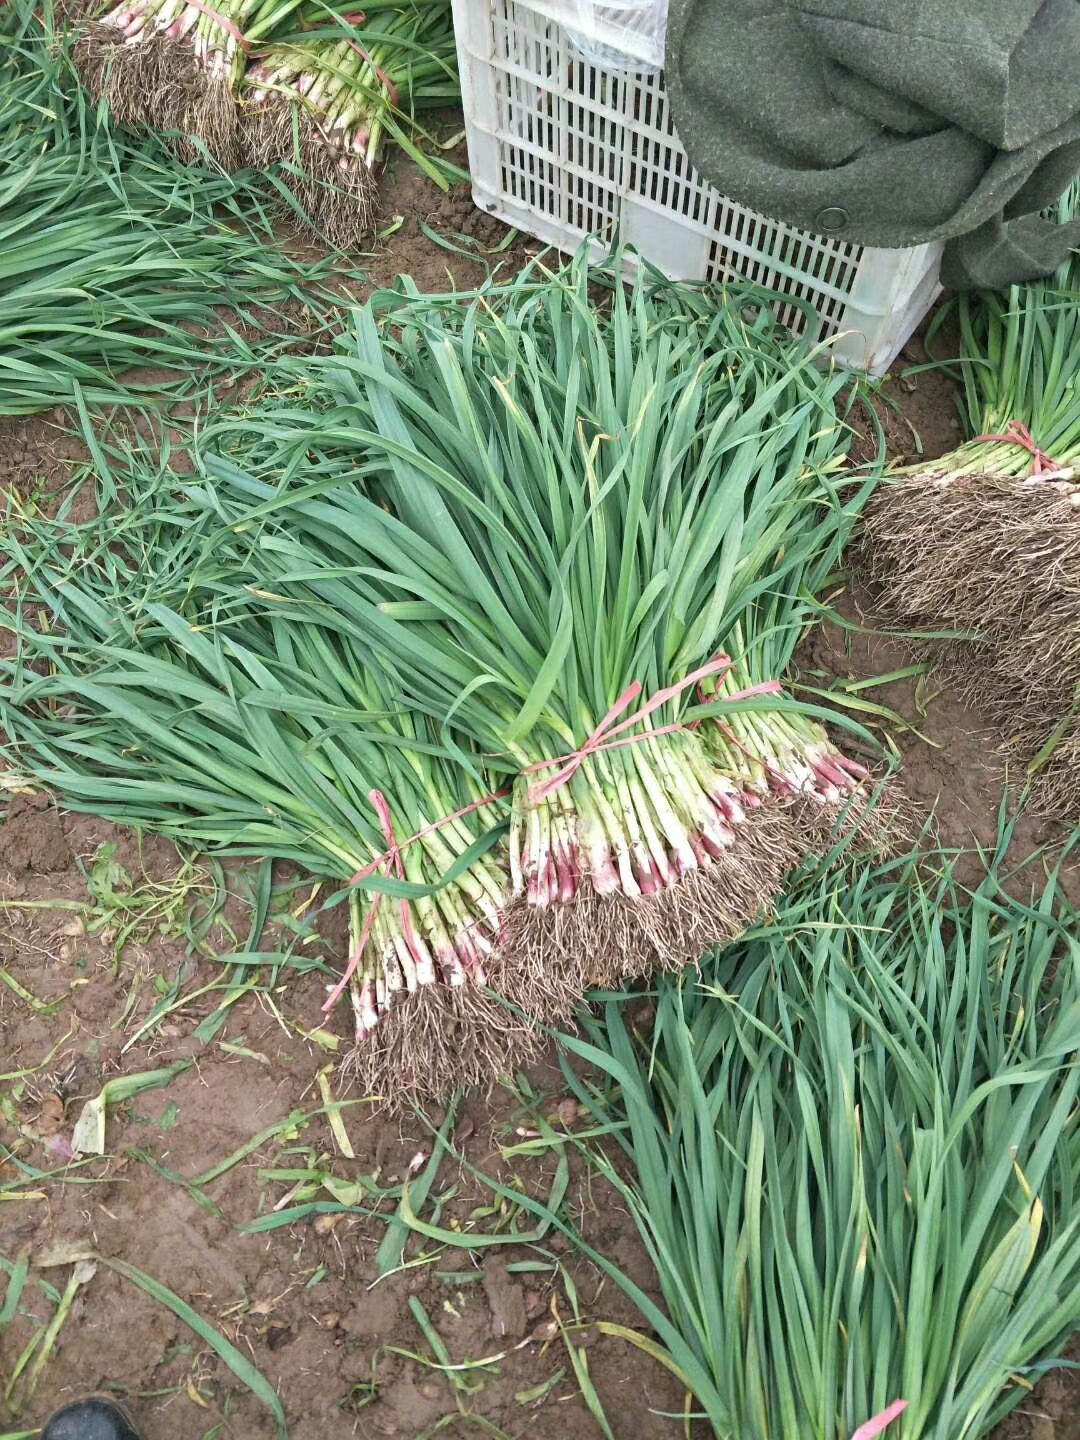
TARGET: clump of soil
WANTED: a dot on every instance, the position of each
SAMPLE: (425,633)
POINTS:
(32,838)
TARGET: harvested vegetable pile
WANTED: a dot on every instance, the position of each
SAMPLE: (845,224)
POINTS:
(314,88)
(520,562)
(323,103)
(111,254)
(587,540)
(856,1148)
(988,540)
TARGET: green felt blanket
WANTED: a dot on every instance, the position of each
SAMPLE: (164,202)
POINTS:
(889,122)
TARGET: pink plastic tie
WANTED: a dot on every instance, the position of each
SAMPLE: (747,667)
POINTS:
(391,88)
(609,736)
(391,856)
(1017,433)
(880,1421)
(388,855)
(225,23)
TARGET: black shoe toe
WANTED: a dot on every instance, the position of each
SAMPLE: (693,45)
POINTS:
(95,1419)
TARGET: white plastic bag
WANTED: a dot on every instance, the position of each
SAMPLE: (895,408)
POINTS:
(621,34)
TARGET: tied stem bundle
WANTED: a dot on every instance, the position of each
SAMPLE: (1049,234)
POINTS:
(312,87)
(585,540)
(987,540)
(175,65)
(323,103)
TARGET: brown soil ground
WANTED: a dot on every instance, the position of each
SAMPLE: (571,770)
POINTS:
(347,1355)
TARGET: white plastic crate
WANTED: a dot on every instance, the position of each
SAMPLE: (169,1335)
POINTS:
(564,149)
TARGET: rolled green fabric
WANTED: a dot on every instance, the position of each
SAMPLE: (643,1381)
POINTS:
(889,124)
